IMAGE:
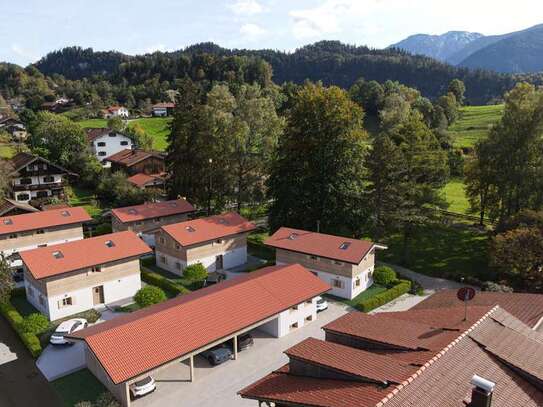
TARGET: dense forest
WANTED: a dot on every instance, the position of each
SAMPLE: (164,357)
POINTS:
(84,75)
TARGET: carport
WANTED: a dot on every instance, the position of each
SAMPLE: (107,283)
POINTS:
(131,347)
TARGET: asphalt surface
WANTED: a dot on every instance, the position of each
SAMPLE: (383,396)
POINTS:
(21,383)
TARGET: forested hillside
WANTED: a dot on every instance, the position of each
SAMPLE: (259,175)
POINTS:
(331,62)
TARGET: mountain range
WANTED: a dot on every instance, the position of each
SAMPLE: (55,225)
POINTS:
(516,52)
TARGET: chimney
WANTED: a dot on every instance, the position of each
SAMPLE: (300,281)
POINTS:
(481,395)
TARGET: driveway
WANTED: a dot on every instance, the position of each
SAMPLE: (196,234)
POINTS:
(218,386)
(430,284)
(21,383)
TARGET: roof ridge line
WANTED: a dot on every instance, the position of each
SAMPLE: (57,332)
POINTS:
(429,363)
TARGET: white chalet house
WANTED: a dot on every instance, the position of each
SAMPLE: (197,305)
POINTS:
(106,142)
(115,111)
(73,277)
(346,264)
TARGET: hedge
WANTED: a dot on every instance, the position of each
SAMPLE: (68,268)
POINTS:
(15,319)
(380,299)
(150,277)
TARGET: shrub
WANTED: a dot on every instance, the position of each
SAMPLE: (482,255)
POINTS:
(384,275)
(102,229)
(496,287)
(157,280)
(380,299)
(15,319)
(18,292)
(106,399)
(35,324)
(195,272)
(149,295)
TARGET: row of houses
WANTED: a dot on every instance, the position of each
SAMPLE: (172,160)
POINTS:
(162,109)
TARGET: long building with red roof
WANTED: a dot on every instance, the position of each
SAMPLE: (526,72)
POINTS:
(344,263)
(428,356)
(218,242)
(68,278)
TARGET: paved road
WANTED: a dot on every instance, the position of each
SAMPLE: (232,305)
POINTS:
(21,384)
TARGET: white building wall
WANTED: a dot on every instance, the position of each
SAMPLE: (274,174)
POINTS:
(291,319)
(112,145)
(349,288)
(82,299)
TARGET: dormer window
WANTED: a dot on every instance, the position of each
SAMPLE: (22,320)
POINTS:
(8,222)
(112,135)
(58,255)
(293,236)
(65,214)
(110,243)
(190,229)
(344,245)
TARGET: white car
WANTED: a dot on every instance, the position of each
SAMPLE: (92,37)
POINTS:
(66,328)
(322,304)
(142,387)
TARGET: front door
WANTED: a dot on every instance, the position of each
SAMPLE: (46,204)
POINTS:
(219,262)
(98,295)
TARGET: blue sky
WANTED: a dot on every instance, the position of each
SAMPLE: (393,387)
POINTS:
(31,28)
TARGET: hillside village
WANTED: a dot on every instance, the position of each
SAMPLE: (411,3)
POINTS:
(213,227)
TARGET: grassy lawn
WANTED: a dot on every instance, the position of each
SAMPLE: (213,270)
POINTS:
(191,285)
(158,127)
(455,195)
(6,151)
(77,387)
(87,199)
(474,124)
(370,292)
(443,251)
(23,306)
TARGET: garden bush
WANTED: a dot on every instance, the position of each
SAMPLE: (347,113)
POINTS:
(35,324)
(152,278)
(380,299)
(15,319)
(195,272)
(149,295)
(384,275)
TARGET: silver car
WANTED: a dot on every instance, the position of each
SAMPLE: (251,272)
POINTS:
(142,387)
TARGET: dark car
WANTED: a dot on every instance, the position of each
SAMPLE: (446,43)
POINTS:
(217,355)
(245,341)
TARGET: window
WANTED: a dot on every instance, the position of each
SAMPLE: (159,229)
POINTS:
(314,258)
(25,181)
(344,245)
(23,197)
(65,214)
(309,318)
(293,236)
(96,269)
(112,135)
(102,153)
(294,325)
(178,266)
(110,243)
(42,245)
(357,281)
(13,236)
(163,260)
(337,283)
(338,263)
(101,144)
(124,143)
(163,241)
(190,229)
(58,254)
(295,308)
(65,302)
(42,194)
(40,232)
(156,220)
(219,241)
(309,302)
(49,178)
(177,246)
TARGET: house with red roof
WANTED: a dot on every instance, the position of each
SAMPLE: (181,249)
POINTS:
(115,111)
(431,355)
(68,278)
(152,181)
(122,351)
(136,161)
(106,142)
(163,109)
(346,264)
(146,219)
(218,242)
(28,231)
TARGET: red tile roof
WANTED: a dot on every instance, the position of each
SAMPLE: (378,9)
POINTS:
(44,262)
(319,244)
(350,361)
(526,307)
(130,157)
(42,220)
(141,180)
(152,210)
(143,340)
(94,133)
(206,229)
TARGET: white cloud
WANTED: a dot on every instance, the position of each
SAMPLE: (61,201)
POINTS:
(247,7)
(252,31)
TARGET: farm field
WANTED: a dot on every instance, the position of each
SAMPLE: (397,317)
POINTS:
(157,127)
(474,124)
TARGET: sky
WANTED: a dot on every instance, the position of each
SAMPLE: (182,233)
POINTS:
(29,29)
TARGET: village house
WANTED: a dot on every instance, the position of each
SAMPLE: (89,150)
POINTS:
(346,264)
(35,177)
(218,242)
(28,231)
(115,111)
(106,142)
(163,109)
(435,354)
(144,181)
(10,207)
(148,218)
(69,278)
(134,161)
(15,128)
